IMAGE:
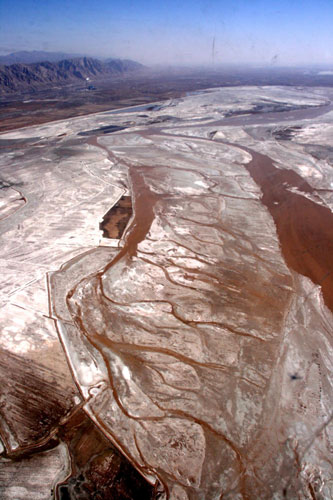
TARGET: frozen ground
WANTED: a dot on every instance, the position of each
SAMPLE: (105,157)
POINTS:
(200,344)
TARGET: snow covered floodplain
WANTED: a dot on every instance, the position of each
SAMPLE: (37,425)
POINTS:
(193,354)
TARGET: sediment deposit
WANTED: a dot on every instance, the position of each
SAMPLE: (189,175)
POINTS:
(196,350)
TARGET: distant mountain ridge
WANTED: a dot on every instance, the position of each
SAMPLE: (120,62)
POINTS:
(29,77)
(35,56)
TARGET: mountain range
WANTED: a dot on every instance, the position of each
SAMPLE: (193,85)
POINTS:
(35,56)
(21,77)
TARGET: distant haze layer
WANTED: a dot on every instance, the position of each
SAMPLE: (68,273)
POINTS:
(173,32)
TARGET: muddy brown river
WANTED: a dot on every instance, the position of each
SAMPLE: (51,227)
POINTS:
(305,228)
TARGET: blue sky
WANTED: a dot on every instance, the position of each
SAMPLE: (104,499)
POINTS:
(174,31)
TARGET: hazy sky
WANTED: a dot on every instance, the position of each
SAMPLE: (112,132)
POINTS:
(174,31)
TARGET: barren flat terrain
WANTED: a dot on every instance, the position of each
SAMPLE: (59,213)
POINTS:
(166,300)
(58,102)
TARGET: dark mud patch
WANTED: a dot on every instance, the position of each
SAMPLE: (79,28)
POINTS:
(9,145)
(108,129)
(66,152)
(248,117)
(263,107)
(32,401)
(164,119)
(116,219)
(305,228)
(99,471)
(4,184)
(139,108)
(154,108)
(320,152)
(286,133)
(4,143)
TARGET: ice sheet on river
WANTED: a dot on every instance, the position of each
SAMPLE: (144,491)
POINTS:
(194,348)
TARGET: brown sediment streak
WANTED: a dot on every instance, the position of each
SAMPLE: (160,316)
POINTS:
(144,203)
(305,229)
(175,412)
(93,141)
(144,200)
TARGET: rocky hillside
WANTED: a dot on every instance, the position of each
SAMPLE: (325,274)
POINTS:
(29,77)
